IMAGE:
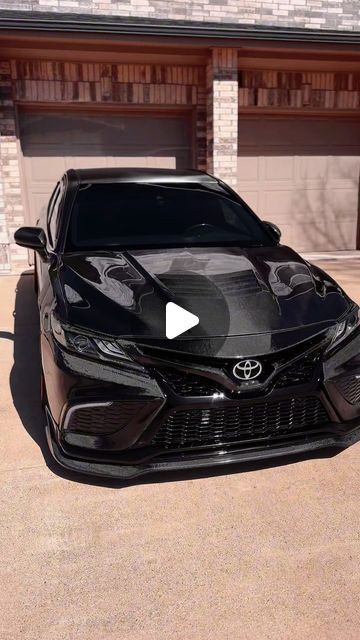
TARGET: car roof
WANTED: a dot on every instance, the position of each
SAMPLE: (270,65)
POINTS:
(139,175)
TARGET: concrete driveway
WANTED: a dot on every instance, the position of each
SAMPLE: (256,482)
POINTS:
(267,551)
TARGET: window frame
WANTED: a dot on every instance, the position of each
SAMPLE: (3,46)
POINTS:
(54,208)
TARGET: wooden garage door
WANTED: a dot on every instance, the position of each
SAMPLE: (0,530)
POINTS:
(53,142)
(303,174)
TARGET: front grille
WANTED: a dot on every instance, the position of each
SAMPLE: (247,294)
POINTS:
(103,419)
(223,425)
(191,385)
(299,372)
(349,387)
(187,384)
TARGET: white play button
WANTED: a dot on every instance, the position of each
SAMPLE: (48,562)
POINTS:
(178,320)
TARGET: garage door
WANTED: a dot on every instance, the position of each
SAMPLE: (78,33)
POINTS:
(303,174)
(54,142)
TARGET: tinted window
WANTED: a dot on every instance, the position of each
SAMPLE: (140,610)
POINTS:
(138,215)
(53,216)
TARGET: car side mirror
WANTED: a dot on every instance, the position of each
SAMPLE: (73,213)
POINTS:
(32,238)
(274,230)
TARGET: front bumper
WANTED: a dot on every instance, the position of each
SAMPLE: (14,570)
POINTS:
(130,451)
(197,460)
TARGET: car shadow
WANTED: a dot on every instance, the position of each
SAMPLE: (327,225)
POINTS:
(25,372)
(25,390)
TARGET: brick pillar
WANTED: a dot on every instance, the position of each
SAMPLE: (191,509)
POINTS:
(200,126)
(12,257)
(222,114)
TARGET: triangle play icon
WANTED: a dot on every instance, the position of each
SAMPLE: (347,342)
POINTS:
(178,320)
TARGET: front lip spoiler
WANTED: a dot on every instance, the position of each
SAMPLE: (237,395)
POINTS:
(128,472)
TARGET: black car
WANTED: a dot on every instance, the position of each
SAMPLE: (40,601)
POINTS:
(271,368)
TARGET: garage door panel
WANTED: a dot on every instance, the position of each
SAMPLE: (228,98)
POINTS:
(306,174)
(252,199)
(278,204)
(344,167)
(164,162)
(39,203)
(126,161)
(54,142)
(248,169)
(345,200)
(279,168)
(326,236)
(328,168)
(78,162)
(44,170)
(313,167)
(311,204)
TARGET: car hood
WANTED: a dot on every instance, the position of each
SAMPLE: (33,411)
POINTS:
(236,293)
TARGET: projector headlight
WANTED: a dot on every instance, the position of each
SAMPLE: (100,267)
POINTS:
(344,329)
(91,346)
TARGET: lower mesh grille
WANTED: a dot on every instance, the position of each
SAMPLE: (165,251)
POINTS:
(349,387)
(224,425)
(103,419)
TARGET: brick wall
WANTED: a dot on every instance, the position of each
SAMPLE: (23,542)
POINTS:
(11,206)
(299,89)
(324,14)
(222,114)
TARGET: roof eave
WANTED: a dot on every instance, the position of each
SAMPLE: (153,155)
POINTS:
(18,21)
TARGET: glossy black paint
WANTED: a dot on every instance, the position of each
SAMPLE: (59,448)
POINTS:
(274,230)
(32,238)
(264,302)
(233,291)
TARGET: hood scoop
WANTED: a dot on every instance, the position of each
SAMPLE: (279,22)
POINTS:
(198,285)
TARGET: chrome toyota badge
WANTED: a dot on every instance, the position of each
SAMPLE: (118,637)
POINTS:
(247,369)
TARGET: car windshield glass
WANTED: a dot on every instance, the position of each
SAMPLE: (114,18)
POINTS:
(152,215)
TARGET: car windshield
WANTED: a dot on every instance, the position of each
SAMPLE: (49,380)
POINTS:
(133,215)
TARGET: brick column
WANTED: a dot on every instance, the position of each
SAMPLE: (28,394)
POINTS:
(12,257)
(222,114)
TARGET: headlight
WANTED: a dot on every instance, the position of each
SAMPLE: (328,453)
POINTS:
(344,329)
(86,345)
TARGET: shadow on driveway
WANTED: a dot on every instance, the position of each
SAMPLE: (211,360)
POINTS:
(25,389)
(25,373)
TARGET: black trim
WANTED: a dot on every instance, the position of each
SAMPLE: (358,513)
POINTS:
(208,459)
(137,26)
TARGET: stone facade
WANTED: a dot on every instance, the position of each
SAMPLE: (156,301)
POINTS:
(298,89)
(323,14)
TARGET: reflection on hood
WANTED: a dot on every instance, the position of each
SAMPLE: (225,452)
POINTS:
(233,291)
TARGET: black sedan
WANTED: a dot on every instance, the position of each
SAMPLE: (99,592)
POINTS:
(272,366)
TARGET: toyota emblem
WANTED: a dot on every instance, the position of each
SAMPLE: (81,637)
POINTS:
(247,369)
